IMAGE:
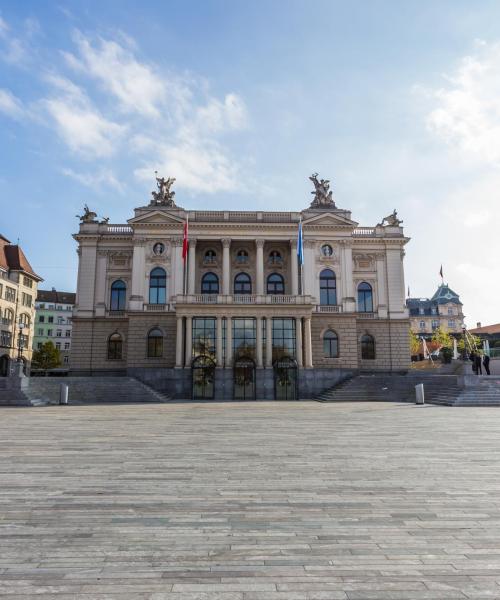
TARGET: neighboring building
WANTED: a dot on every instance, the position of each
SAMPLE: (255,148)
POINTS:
(53,323)
(443,310)
(18,288)
(242,323)
(488,332)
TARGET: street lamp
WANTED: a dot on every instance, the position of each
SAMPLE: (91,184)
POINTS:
(465,345)
(20,343)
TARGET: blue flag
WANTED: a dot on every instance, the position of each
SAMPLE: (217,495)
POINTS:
(300,244)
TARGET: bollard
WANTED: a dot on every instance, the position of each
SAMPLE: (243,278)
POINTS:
(63,393)
(419,393)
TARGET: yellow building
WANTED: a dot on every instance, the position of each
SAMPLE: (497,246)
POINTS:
(18,290)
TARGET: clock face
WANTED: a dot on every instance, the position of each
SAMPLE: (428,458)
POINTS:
(326,250)
(158,248)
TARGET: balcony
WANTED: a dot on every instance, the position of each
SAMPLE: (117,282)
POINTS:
(157,307)
(243,299)
(328,308)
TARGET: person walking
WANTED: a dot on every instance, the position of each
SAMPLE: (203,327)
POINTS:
(486,363)
(472,358)
(479,370)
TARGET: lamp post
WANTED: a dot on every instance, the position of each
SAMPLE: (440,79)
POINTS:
(20,343)
(465,345)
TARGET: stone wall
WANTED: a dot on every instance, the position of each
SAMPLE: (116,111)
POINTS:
(392,344)
(139,326)
(89,348)
(345,328)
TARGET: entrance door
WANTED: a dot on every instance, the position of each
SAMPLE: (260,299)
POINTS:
(285,379)
(244,379)
(4,365)
(203,373)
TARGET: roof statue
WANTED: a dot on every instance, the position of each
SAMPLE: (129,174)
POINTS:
(323,196)
(88,216)
(391,220)
(164,196)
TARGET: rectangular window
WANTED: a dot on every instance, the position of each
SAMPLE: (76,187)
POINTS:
(59,333)
(42,305)
(283,338)
(10,294)
(27,282)
(68,332)
(244,335)
(39,331)
(60,321)
(39,345)
(67,346)
(26,300)
(49,332)
(204,332)
(58,345)
(66,360)
(50,319)
(23,341)
(450,310)
(451,324)
(5,338)
(1,289)
(422,324)
(435,324)
(41,319)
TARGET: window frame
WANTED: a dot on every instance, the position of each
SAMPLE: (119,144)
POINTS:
(330,344)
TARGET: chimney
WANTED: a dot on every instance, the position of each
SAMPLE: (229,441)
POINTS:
(478,325)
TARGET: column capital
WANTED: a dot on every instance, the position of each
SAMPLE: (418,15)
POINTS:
(293,243)
(226,242)
(260,243)
(177,241)
(192,242)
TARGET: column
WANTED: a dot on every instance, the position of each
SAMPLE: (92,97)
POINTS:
(218,343)
(100,283)
(138,274)
(295,267)
(177,267)
(298,340)
(178,344)
(395,282)
(258,342)
(381,287)
(309,270)
(259,265)
(229,342)
(349,300)
(192,266)
(189,340)
(269,342)
(308,342)
(226,269)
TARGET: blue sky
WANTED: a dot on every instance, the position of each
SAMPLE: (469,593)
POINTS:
(395,102)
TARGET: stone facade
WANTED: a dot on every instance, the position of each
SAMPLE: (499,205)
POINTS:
(241,294)
(18,290)
(444,310)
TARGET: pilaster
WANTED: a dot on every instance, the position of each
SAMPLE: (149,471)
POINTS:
(192,266)
(269,341)
(259,264)
(298,340)
(295,267)
(258,342)
(138,274)
(226,268)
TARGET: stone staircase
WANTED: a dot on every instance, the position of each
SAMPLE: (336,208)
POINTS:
(42,391)
(438,389)
(486,393)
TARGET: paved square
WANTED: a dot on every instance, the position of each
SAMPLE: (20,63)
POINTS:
(250,501)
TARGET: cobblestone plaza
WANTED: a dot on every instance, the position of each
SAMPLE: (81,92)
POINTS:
(249,501)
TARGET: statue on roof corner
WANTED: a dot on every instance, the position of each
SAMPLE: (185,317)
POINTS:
(391,220)
(88,216)
(323,196)
(164,196)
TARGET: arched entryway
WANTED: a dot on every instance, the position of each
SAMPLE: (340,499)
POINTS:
(244,378)
(4,365)
(286,379)
(203,378)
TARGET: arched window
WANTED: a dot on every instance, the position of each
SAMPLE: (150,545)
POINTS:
(242,284)
(327,287)
(210,257)
(368,347)
(157,286)
(331,344)
(275,258)
(118,295)
(24,319)
(115,346)
(242,256)
(365,297)
(275,284)
(155,343)
(210,284)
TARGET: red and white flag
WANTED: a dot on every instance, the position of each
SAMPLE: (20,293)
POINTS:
(185,240)
(441,271)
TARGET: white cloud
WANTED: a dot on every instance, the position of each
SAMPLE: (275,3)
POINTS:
(97,180)
(467,114)
(10,105)
(15,50)
(79,124)
(217,116)
(137,86)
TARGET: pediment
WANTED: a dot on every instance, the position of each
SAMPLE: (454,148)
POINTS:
(156,217)
(329,219)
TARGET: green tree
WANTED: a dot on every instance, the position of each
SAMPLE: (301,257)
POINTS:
(442,338)
(472,340)
(47,357)
(414,343)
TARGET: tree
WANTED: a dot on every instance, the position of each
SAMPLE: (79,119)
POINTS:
(472,340)
(47,357)
(442,338)
(414,343)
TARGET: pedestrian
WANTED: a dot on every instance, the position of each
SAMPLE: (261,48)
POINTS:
(479,370)
(486,363)
(472,358)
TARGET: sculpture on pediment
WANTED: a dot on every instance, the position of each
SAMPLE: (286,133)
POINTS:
(164,196)
(391,220)
(323,196)
(88,216)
